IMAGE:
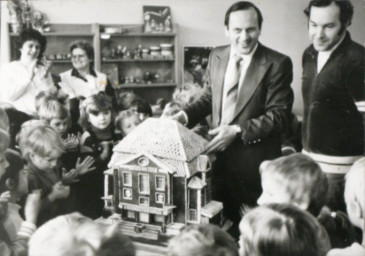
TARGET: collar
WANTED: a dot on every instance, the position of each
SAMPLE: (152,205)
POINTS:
(246,57)
(76,73)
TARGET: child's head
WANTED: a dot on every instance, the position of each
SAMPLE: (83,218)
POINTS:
(43,97)
(117,244)
(71,234)
(143,109)
(96,111)
(294,179)
(188,94)
(204,239)
(4,120)
(338,227)
(281,230)
(126,121)
(355,193)
(4,144)
(41,145)
(56,115)
(170,109)
(15,178)
(125,99)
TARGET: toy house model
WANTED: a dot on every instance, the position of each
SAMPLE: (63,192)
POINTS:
(159,181)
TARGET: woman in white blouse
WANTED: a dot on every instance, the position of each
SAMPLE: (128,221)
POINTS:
(82,80)
(23,79)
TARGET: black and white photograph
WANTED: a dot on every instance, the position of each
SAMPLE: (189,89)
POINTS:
(182,128)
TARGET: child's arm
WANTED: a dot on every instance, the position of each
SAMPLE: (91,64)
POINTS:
(59,191)
(19,246)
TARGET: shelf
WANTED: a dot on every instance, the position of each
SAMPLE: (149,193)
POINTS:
(59,61)
(154,85)
(136,60)
(141,34)
(59,34)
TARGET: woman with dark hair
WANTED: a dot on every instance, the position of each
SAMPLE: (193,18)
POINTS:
(83,80)
(23,79)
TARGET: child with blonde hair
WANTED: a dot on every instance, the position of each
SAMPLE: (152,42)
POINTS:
(281,229)
(41,147)
(74,234)
(126,121)
(98,139)
(355,203)
(296,179)
(202,240)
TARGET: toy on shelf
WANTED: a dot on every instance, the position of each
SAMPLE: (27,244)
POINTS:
(159,181)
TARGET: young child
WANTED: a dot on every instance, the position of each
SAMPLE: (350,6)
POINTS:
(74,234)
(142,107)
(283,230)
(126,121)
(294,179)
(41,147)
(355,202)
(170,109)
(338,227)
(98,139)
(199,240)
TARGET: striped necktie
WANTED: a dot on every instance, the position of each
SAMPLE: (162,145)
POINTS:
(231,88)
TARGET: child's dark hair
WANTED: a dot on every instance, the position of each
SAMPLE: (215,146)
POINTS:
(12,171)
(124,100)
(338,227)
(94,104)
(141,106)
(34,35)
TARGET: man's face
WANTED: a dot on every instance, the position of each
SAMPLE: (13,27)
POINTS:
(243,30)
(325,27)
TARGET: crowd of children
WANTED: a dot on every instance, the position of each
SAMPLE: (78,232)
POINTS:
(52,167)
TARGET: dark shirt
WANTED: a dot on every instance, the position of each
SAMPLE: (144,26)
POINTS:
(332,124)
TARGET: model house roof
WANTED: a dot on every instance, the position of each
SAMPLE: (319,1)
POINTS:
(165,139)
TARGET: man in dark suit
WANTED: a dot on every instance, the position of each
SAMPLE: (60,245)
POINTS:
(333,94)
(249,110)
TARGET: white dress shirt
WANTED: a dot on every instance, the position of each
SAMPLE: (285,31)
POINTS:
(323,56)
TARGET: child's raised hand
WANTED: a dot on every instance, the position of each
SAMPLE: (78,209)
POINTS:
(59,191)
(32,206)
(85,166)
(71,142)
(4,197)
(69,177)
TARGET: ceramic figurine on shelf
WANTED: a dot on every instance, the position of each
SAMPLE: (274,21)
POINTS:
(15,13)
(147,23)
(119,52)
(168,24)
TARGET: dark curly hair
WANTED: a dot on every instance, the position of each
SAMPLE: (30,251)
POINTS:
(33,35)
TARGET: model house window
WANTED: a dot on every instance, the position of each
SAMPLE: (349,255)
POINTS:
(127,179)
(144,183)
(159,218)
(160,198)
(127,193)
(192,215)
(131,215)
(160,183)
(145,201)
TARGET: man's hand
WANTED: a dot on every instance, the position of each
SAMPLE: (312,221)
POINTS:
(32,206)
(180,117)
(85,166)
(224,135)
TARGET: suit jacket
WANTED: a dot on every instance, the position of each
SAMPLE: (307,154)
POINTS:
(263,105)
(332,124)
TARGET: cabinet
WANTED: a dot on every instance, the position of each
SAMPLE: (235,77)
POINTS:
(145,63)
(59,39)
(132,59)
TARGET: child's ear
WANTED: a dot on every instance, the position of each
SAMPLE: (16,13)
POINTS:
(10,184)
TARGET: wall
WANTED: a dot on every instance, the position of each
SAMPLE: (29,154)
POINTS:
(200,23)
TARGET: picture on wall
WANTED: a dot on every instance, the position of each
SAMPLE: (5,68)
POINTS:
(157,19)
(195,64)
